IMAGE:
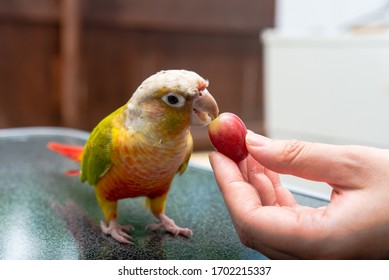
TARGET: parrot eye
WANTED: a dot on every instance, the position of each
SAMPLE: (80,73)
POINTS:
(174,100)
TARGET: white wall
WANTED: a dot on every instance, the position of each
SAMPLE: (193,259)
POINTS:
(321,15)
(321,77)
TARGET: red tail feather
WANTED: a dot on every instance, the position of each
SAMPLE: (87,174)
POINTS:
(73,172)
(70,151)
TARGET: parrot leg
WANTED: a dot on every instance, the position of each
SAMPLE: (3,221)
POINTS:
(117,231)
(111,226)
(170,226)
(157,206)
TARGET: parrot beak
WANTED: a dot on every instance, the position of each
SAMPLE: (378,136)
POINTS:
(205,109)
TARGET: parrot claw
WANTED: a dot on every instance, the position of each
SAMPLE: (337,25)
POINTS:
(117,231)
(170,226)
(154,227)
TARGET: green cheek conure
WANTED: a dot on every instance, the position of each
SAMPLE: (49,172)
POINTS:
(138,149)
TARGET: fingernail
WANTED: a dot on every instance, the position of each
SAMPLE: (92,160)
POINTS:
(254,139)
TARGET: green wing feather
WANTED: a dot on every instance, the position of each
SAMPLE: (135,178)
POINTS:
(97,156)
(185,164)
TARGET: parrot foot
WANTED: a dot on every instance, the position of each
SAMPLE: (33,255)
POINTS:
(170,226)
(117,231)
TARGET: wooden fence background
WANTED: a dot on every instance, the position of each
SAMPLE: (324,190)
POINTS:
(71,62)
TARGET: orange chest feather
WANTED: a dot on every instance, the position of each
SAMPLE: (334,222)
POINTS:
(140,169)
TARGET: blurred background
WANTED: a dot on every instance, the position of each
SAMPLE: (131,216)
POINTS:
(326,76)
(69,63)
(313,70)
(326,72)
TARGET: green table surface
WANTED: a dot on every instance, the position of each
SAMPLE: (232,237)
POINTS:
(45,214)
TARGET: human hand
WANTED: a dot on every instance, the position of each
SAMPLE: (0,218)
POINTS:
(266,217)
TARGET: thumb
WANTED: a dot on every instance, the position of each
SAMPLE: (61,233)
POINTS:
(332,164)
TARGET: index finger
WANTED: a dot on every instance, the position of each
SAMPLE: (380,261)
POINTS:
(240,197)
(333,164)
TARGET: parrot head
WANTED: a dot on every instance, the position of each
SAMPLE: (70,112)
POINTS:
(172,100)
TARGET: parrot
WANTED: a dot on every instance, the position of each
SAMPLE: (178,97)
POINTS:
(137,150)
